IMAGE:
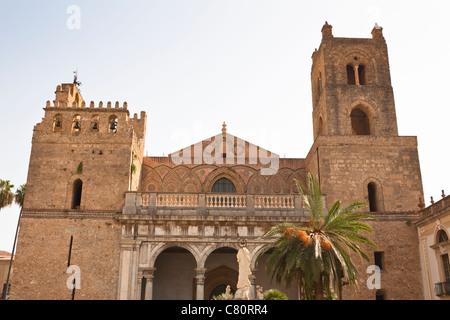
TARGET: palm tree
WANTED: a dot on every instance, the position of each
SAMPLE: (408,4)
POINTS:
(19,197)
(316,255)
(6,195)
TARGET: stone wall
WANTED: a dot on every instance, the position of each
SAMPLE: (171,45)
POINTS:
(43,251)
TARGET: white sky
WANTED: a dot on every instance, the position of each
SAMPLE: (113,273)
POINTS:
(193,64)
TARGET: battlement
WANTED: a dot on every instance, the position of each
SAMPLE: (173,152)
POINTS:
(71,115)
(327,34)
(69,97)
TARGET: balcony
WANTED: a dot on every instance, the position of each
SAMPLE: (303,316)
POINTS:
(212,204)
(442,288)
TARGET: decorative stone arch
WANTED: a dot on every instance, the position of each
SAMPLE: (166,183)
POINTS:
(211,248)
(358,57)
(254,256)
(224,172)
(151,181)
(277,185)
(245,172)
(437,230)
(369,110)
(192,183)
(171,183)
(163,246)
(182,171)
(300,176)
(220,276)
(373,195)
(161,170)
(257,184)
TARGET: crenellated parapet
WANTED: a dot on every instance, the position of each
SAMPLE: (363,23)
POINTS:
(72,116)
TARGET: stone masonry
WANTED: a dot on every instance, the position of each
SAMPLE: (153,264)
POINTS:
(157,228)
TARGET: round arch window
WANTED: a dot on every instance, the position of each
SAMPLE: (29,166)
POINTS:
(223,185)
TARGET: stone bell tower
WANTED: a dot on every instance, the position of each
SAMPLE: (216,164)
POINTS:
(358,154)
(84,158)
(351,86)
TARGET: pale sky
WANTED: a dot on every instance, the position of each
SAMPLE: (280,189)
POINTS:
(193,64)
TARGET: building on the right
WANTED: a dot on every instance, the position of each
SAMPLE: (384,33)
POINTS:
(434,228)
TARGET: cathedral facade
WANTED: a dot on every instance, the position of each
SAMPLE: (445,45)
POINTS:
(140,227)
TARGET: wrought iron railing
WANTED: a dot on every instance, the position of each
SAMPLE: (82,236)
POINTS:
(442,288)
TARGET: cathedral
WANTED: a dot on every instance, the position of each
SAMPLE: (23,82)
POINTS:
(168,228)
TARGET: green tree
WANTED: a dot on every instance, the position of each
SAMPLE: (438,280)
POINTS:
(315,255)
(8,197)
(6,194)
(274,294)
(20,195)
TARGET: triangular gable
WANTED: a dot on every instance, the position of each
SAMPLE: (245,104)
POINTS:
(225,148)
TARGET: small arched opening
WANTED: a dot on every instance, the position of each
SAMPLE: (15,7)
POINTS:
(373,197)
(94,123)
(351,79)
(362,74)
(320,129)
(360,122)
(57,123)
(112,124)
(76,124)
(76,194)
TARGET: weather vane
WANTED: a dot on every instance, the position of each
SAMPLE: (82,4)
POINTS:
(75,78)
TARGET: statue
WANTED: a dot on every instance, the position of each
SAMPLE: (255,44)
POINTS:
(227,295)
(259,293)
(244,261)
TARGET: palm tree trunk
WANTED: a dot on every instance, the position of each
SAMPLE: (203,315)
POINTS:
(299,287)
(318,289)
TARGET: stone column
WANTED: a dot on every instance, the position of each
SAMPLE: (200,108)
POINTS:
(252,279)
(200,283)
(148,275)
(355,68)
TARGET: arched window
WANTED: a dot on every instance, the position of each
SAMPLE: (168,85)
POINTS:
(112,124)
(362,74)
(223,185)
(94,123)
(76,124)
(351,75)
(76,194)
(360,122)
(373,197)
(356,73)
(441,236)
(57,123)
(320,130)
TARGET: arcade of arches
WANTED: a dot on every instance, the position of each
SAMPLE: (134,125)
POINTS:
(184,273)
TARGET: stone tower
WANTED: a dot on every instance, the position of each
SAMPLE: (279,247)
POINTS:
(83,159)
(358,155)
(357,149)
(82,155)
